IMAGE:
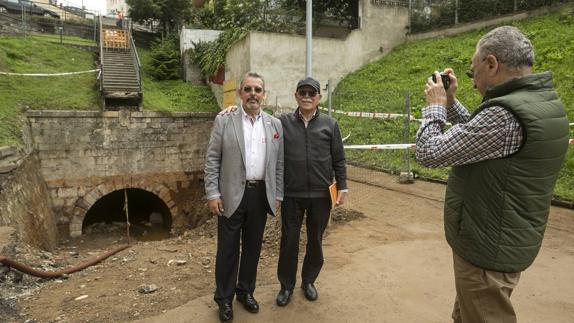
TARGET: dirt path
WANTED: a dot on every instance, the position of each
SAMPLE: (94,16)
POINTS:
(392,266)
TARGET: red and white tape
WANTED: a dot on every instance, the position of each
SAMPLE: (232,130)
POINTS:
(381,147)
(369,115)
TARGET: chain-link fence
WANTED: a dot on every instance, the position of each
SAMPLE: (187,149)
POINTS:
(431,14)
(66,31)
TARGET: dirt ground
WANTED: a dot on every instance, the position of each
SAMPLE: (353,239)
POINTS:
(386,261)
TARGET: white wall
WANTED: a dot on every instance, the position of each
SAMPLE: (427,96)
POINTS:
(189,36)
(280,58)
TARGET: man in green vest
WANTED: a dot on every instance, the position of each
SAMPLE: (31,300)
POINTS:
(505,160)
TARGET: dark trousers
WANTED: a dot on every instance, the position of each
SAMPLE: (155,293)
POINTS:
(247,225)
(292,213)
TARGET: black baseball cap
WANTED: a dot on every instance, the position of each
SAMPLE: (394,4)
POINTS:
(309,81)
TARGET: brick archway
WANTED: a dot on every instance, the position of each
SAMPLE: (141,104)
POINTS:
(84,203)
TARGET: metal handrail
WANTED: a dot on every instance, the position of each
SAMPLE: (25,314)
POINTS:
(136,57)
(101,55)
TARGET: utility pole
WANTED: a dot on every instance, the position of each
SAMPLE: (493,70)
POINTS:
(309,38)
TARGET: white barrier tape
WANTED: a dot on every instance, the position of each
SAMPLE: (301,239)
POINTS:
(380,115)
(381,147)
(349,135)
(370,115)
(395,146)
(54,74)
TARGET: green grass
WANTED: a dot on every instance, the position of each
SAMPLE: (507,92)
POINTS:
(44,54)
(174,95)
(64,40)
(381,87)
(18,93)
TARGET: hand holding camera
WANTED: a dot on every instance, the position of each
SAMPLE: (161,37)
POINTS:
(436,94)
(445,79)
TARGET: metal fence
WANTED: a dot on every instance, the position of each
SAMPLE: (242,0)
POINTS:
(79,32)
(431,14)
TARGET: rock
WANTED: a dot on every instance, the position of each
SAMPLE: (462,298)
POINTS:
(176,262)
(79,298)
(147,289)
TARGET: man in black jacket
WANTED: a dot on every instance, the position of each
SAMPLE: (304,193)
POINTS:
(313,153)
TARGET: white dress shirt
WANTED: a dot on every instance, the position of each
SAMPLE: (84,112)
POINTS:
(255,146)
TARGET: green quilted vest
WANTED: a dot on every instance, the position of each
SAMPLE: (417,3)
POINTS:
(496,211)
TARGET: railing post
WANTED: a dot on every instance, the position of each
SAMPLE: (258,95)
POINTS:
(329,93)
(406,176)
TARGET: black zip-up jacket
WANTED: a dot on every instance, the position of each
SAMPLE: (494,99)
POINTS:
(313,155)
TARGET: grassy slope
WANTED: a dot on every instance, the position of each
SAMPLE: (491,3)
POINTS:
(79,92)
(381,86)
(32,55)
(174,95)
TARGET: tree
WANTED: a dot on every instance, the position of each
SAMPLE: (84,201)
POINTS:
(341,10)
(170,13)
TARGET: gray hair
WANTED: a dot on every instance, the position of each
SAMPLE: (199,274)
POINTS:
(254,75)
(509,45)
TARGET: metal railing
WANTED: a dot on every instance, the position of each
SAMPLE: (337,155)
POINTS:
(101,76)
(136,59)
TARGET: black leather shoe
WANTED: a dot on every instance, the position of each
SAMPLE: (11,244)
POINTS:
(284,297)
(310,291)
(249,303)
(225,312)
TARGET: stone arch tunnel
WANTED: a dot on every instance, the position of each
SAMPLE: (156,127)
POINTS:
(88,159)
(144,209)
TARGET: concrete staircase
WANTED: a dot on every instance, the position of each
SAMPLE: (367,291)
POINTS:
(120,79)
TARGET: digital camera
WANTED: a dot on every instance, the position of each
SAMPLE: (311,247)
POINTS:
(445,80)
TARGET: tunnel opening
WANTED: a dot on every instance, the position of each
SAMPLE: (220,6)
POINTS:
(149,216)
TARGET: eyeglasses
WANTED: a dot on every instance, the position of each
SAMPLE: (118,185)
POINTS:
(470,73)
(249,89)
(304,93)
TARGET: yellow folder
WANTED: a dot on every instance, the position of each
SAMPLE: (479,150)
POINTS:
(333,192)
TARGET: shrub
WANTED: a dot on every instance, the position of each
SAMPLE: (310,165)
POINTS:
(165,59)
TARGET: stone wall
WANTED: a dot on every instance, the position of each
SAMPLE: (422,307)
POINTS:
(25,203)
(85,155)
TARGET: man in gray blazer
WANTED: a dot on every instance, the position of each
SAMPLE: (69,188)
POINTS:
(243,182)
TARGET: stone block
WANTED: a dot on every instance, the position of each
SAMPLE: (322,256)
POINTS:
(67,192)
(406,178)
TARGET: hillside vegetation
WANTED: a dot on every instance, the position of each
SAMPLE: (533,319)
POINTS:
(73,92)
(381,87)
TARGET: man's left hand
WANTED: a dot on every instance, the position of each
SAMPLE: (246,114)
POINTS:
(341,197)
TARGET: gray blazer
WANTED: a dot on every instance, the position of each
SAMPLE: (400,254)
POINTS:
(225,161)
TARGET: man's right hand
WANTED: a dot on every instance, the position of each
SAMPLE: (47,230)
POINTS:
(227,110)
(215,206)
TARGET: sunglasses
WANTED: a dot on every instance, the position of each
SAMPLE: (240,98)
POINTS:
(249,89)
(304,93)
